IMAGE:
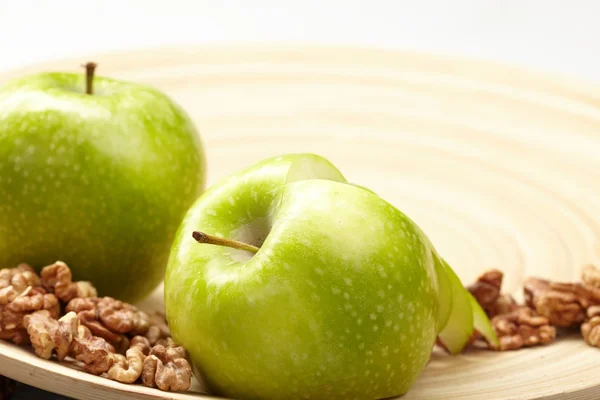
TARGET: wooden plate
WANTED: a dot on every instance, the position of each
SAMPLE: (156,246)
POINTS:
(501,167)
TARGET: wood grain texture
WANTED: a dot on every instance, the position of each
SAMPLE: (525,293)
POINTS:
(501,167)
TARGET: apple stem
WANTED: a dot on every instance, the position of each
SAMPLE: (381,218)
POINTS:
(90,67)
(202,237)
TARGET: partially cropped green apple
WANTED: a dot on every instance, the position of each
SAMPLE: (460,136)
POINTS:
(305,286)
(100,181)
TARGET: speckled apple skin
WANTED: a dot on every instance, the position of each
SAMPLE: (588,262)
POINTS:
(99,181)
(341,301)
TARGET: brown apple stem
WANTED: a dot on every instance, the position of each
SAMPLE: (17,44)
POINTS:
(90,67)
(202,237)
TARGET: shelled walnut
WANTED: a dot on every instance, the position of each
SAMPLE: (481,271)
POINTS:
(569,304)
(128,368)
(105,334)
(30,300)
(167,367)
(96,353)
(57,278)
(122,317)
(487,292)
(504,304)
(564,304)
(110,319)
(516,326)
(486,289)
(590,329)
(522,327)
(590,276)
(48,334)
(66,337)
(86,310)
(14,281)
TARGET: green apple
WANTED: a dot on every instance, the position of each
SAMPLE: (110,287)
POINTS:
(344,298)
(100,181)
(320,288)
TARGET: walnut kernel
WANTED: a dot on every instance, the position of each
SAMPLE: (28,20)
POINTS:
(563,304)
(167,368)
(590,329)
(590,276)
(128,368)
(57,278)
(522,328)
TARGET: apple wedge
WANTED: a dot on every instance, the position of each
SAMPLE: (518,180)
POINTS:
(459,327)
(481,322)
(465,316)
(445,294)
(309,166)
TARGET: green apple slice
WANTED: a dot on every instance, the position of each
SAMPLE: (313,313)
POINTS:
(308,166)
(305,168)
(445,294)
(459,327)
(481,322)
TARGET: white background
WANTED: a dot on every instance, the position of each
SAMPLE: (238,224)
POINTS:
(547,35)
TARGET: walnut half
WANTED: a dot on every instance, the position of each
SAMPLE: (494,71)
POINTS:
(128,368)
(486,288)
(590,276)
(522,327)
(564,304)
(93,351)
(58,279)
(14,281)
(47,334)
(110,319)
(487,292)
(590,329)
(167,368)
(30,300)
